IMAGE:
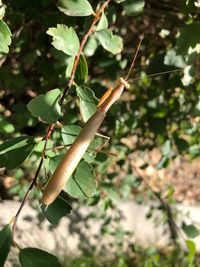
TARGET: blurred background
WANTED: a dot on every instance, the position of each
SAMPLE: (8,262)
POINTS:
(145,208)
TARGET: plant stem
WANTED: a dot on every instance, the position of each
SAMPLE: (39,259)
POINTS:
(82,44)
(52,126)
(164,205)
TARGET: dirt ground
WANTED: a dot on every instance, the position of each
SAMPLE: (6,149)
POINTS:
(183,174)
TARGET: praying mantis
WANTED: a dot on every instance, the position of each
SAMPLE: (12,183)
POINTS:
(73,156)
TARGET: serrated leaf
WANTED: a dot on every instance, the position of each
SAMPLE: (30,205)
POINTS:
(58,209)
(88,102)
(133,7)
(190,230)
(46,107)
(81,71)
(189,37)
(5,37)
(5,243)
(82,183)
(75,8)
(103,23)
(65,39)
(34,257)
(14,151)
(109,41)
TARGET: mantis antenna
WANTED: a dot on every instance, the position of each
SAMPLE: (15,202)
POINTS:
(134,57)
(73,156)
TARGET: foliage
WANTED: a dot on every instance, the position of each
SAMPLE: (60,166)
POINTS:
(39,43)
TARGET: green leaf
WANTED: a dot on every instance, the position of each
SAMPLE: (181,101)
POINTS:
(34,257)
(5,37)
(46,107)
(171,59)
(82,71)
(103,23)
(166,148)
(5,243)
(14,151)
(58,209)
(65,39)
(73,8)
(69,68)
(2,10)
(82,183)
(191,251)
(69,134)
(133,7)
(194,150)
(163,163)
(190,230)
(5,126)
(119,1)
(109,41)
(189,37)
(88,102)
(90,46)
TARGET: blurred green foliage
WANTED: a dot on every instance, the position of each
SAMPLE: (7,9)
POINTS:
(38,44)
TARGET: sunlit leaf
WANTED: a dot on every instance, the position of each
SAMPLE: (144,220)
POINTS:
(6,126)
(46,107)
(103,23)
(172,59)
(191,252)
(133,7)
(109,41)
(75,8)
(65,39)
(5,37)
(90,46)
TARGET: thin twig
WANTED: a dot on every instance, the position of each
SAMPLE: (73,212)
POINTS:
(83,42)
(165,206)
(52,126)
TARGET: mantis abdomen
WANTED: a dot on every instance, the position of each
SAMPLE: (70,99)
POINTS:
(73,156)
(71,159)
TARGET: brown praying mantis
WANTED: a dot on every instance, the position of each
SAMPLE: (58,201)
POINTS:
(75,153)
